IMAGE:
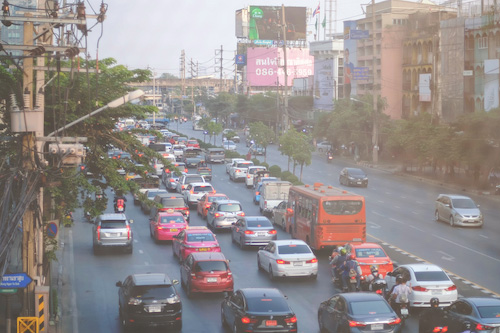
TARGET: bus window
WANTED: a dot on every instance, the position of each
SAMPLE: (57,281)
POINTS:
(342,207)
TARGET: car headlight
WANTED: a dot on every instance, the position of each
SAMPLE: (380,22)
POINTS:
(134,301)
(173,300)
(350,178)
(458,216)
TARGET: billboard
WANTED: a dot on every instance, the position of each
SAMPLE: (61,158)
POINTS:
(491,71)
(265,66)
(350,60)
(324,84)
(264,23)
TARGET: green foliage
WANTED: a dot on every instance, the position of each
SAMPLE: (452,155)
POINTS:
(275,171)
(256,161)
(222,105)
(264,164)
(233,154)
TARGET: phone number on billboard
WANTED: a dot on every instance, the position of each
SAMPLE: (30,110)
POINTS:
(280,71)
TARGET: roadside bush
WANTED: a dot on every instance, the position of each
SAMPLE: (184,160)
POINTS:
(233,154)
(275,171)
(265,165)
(285,175)
(256,161)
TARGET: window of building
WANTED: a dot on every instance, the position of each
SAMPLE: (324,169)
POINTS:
(482,42)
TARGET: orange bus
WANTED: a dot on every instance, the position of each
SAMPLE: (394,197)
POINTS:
(325,216)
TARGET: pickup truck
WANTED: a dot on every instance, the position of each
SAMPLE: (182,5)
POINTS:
(204,170)
(145,184)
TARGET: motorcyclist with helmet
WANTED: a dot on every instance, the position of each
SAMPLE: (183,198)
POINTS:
(337,261)
(432,317)
(400,294)
(119,196)
(375,275)
(351,265)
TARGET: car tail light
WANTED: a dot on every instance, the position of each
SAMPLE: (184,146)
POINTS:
(213,191)
(248,176)
(353,323)
(237,170)
(185,170)
(218,215)
(419,288)
(265,204)
(395,321)
(193,276)
(207,205)
(257,193)
(249,232)
(480,327)
(451,288)
(246,320)
(98,232)
(167,171)
(282,262)
(440,329)
(241,214)
(159,227)
(291,320)
(172,180)
(128,232)
(312,261)
(192,192)
(272,232)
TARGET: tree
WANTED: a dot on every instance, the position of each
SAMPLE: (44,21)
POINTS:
(303,152)
(222,105)
(288,143)
(262,135)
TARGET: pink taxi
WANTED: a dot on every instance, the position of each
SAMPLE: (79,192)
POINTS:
(166,224)
(194,239)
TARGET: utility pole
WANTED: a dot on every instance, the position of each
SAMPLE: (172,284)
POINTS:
(374,89)
(192,85)
(183,73)
(221,67)
(285,104)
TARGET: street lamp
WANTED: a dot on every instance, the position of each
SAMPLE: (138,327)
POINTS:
(111,105)
(375,130)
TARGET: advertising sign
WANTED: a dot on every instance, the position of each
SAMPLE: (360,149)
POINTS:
(265,67)
(424,87)
(265,23)
(491,71)
(324,84)
(359,34)
(350,60)
(240,59)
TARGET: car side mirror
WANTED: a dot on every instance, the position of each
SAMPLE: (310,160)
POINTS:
(119,284)
(131,221)
(175,281)
(389,273)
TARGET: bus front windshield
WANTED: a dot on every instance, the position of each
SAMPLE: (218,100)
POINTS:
(342,207)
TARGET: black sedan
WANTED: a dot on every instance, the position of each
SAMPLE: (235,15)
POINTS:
(258,310)
(357,312)
(483,314)
(353,177)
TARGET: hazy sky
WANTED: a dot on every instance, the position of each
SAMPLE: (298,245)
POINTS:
(152,33)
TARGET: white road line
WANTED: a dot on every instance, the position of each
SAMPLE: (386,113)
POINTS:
(146,263)
(394,220)
(413,227)
(416,213)
(397,207)
(484,236)
(419,202)
(141,251)
(381,201)
(467,248)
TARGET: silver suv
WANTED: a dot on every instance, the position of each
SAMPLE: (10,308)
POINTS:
(112,231)
(458,210)
(223,213)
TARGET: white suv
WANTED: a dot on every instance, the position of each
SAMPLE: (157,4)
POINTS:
(239,171)
(250,174)
(195,191)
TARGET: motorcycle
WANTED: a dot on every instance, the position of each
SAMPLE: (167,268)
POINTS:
(120,206)
(379,286)
(329,157)
(403,311)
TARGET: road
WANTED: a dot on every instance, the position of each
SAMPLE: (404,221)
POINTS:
(399,214)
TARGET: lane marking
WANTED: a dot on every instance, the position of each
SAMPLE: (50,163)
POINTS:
(141,251)
(484,236)
(447,256)
(467,248)
(472,284)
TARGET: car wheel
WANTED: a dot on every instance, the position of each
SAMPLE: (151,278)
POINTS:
(123,321)
(198,212)
(189,292)
(223,318)
(452,221)
(235,327)
(150,232)
(129,249)
(271,274)
(320,323)
(258,263)
(436,216)
(242,243)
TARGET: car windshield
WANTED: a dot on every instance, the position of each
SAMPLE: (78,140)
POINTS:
(244,165)
(209,266)
(431,276)
(267,304)
(171,219)
(252,171)
(464,203)
(172,202)
(216,198)
(190,180)
(200,237)
(342,207)
(489,311)
(152,194)
(203,188)
(293,249)
(357,172)
(153,292)
(370,308)
(230,207)
(370,253)
(113,224)
(259,224)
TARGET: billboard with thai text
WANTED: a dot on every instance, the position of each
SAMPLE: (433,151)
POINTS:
(265,66)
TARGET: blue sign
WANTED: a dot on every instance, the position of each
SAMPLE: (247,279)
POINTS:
(361,73)
(52,230)
(240,59)
(359,34)
(17,280)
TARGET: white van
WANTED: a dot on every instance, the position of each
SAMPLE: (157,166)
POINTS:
(271,194)
(158,165)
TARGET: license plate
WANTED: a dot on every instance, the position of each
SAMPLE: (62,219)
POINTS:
(436,292)
(271,323)
(404,311)
(201,249)
(212,279)
(174,229)
(359,183)
(377,327)
(297,263)
(154,308)
(261,234)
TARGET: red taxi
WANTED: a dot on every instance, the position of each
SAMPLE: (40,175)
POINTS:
(165,225)
(206,272)
(370,254)
(205,202)
(194,239)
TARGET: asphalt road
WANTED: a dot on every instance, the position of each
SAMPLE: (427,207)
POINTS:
(399,214)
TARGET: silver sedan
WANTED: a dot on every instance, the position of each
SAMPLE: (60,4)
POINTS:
(253,230)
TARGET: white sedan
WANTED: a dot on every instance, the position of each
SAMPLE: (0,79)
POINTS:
(426,281)
(229,145)
(291,257)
